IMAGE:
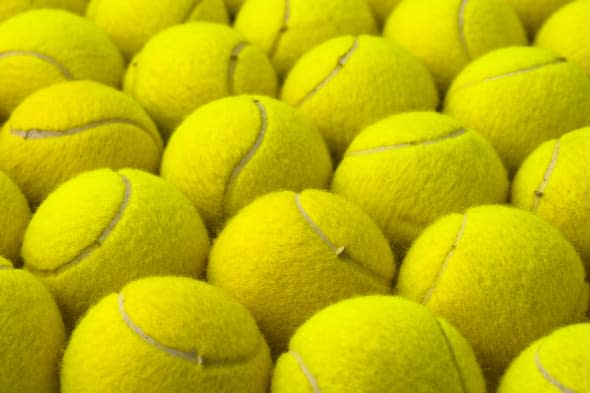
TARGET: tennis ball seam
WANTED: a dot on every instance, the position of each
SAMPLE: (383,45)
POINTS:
(539,193)
(342,61)
(38,55)
(5,267)
(85,252)
(311,380)
(462,37)
(547,375)
(191,356)
(233,63)
(453,356)
(191,10)
(452,249)
(282,30)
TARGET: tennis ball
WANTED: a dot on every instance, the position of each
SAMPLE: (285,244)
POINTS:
(167,334)
(41,47)
(552,183)
(14,217)
(566,33)
(187,66)
(520,97)
(534,12)
(9,8)
(410,169)
(286,256)
(131,23)
(31,333)
(291,28)
(376,344)
(382,8)
(447,34)
(102,229)
(558,362)
(91,126)
(501,275)
(350,82)
(224,162)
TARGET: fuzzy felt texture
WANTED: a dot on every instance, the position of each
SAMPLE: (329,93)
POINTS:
(566,33)
(131,23)
(447,34)
(167,334)
(553,183)
(31,333)
(287,255)
(559,362)
(42,47)
(9,8)
(187,66)
(287,29)
(520,97)
(501,275)
(103,229)
(14,218)
(382,8)
(83,124)
(410,169)
(348,83)
(377,344)
(534,12)
(224,162)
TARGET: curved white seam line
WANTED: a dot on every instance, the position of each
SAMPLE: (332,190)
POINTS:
(379,149)
(233,63)
(62,69)
(539,193)
(453,356)
(339,66)
(306,372)
(552,380)
(192,10)
(462,36)
(318,231)
(445,264)
(282,30)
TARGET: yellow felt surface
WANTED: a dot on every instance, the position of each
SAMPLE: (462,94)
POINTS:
(14,218)
(502,276)
(9,8)
(375,344)
(272,259)
(224,162)
(91,126)
(42,47)
(96,232)
(534,12)
(106,355)
(31,333)
(410,169)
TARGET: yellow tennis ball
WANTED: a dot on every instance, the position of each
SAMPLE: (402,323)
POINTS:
(558,362)
(534,12)
(520,97)
(348,83)
(410,169)
(376,344)
(102,229)
(501,275)
(286,29)
(131,23)
(447,34)
(14,218)
(31,333)
(187,66)
(233,150)
(167,334)
(9,8)
(566,32)
(71,127)
(287,255)
(382,8)
(41,47)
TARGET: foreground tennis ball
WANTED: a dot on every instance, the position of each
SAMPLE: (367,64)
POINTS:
(68,128)
(501,275)
(287,255)
(10,8)
(410,169)
(382,8)
(167,334)
(42,47)
(558,362)
(348,83)
(187,66)
(14,218)
(224,162)
(285,29)
(534,12)
(377,344)
(446,34)
(520,97)
(553,183)
(103,229)
(566,33)
(131,23)
(31,333)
